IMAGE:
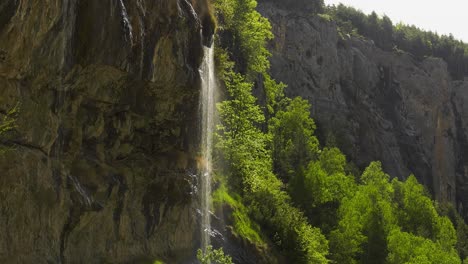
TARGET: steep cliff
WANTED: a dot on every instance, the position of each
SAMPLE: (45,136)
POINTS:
(95,170)
(373,104)
(100,164)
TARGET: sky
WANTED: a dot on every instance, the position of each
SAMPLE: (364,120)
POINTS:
(443,17)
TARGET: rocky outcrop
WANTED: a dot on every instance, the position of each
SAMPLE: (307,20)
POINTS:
(376,105)
(460,108)
(97,167)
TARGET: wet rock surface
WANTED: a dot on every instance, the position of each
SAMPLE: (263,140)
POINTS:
(106,91)
(376,105)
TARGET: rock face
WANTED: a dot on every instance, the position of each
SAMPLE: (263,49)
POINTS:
(97,167)
(376,105)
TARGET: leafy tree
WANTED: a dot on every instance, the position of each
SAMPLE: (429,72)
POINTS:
(365,220)
(245,149)
(215,256)
(373,27)
(403,37)
(320,189)
(244,32)
(274,91)
(243,144)
(408,248)
(381,213)
(418,215)
(417,212)
(386,26)
(448,210)
(462,237)
(294,144)
(363,217)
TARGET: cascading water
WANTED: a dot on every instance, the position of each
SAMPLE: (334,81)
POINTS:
(207,110)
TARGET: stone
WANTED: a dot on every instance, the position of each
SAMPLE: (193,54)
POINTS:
(103,88)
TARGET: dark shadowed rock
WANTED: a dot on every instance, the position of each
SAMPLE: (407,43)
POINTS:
(105,89)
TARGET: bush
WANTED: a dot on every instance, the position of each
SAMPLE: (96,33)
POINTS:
(214,256)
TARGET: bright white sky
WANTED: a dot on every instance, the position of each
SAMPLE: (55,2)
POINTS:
(443,17)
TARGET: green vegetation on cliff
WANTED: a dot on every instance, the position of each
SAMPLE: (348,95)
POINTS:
(282,185)
(408,38)
(7,124)
(243,143)
(213,256)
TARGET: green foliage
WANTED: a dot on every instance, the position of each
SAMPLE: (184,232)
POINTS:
(243,35)
(417,213)
(461,227)
(214,256)
(244,146)
(243,225)
(287,226)
(243,143)
(325,17)
(7,124)
(408,248)
(328,176)
(245,32)
(370,224)
(462,237)
(241,116)
(8,121)
(411,39)
(320,189)
(364,217)
(294,143)
(274,94)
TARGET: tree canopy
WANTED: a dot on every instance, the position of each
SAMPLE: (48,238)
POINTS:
(403,37)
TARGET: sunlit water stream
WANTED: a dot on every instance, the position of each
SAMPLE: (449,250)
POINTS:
(207,110)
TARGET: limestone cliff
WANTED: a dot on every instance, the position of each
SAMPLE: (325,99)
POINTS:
(95,168)
(376,105)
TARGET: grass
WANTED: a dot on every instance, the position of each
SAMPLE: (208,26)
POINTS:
(243,226)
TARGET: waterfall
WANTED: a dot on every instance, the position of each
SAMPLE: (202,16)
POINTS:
(207,111)
(126,21)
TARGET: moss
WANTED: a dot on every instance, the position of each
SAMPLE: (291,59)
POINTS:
(212,17)
(7,124)
(242,224)
(325,17)
(209,25)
